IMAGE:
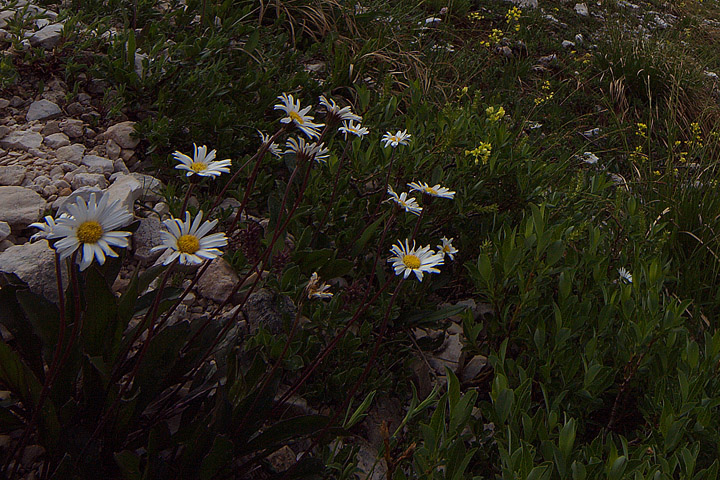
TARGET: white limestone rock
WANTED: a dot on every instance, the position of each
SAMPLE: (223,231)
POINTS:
(12,175)
(98,164)
(20,206)
(57,140)
(43,110)
(21,140)
(33,263)
(71,153)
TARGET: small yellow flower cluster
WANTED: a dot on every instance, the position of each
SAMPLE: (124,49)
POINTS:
(513,18)
(462,91)
(495,114)
(683,154)
(475,16)
(481,153)
(638,155)
(495,36)
(641,130)
(696,134)
(547,94)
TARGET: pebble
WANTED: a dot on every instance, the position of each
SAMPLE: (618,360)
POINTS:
(43,110)
(12,175)
(20,206)
(56,140)
(22,140)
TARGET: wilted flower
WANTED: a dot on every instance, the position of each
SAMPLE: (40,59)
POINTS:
(625,275)
(336,114)
(305,150)
(202,163)
(189,241)
(408,260)
(300,117)
(273,148)
(316,289)
(409,204)
(90,226)
(355,129)
(446,248)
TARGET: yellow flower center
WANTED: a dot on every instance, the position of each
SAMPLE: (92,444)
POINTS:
(89,232)
(198,166)
(431,191)
(188,244)
(296,117)
(411,261)
(446,248)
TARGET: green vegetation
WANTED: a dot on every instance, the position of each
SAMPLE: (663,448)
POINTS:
(591,373)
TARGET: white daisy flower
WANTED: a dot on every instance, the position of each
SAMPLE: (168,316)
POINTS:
(315,289)
(436,191)
(189,241)
(590,158)
(300,117)
(335,113)
(409,204)
(46,227)
(274,148)
(90,227)
(202,163)
(399,138)
(305,150)
(446,248)
(625,275)
(408,260)
(355,129)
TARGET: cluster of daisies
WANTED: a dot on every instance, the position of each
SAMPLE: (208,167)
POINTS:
(407,259)
(91,229)
(88,230)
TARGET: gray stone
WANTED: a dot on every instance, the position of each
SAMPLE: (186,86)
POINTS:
(281,460)
(473,368)
(449,355)
(4,230)
(582,9)
(33,263)
(151,186)
(71,153)
(48,36)
(21,140)
(119,166)
(526,3)
(112,150)
(57,140)
(218,281)
(97,164)
(126,190)
(267,309)
(12,175)
(72,127)
(123,135)
(42,110)
(83,192)
(88,180)
(146,237)
(20,206)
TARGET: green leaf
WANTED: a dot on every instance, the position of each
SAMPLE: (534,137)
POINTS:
(218,458)
(365,237)
(285,430)
(100,333)
(129,464)
(359,412)
(429,317)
